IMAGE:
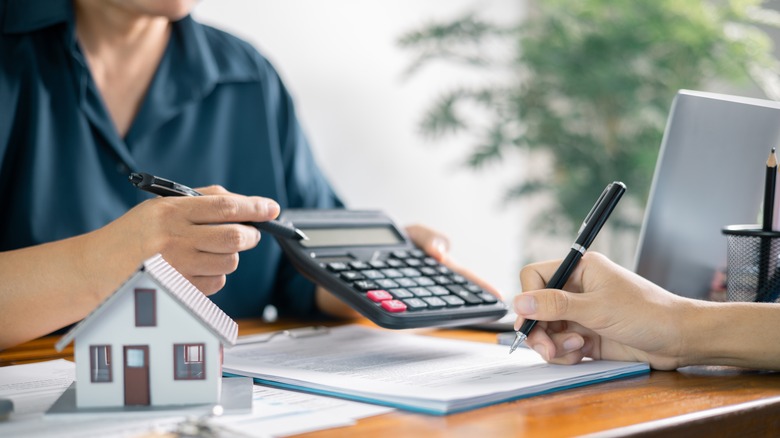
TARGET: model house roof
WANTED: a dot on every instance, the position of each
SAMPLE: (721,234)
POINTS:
(178,287)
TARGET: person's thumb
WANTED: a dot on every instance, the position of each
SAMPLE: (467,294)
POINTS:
(549,305)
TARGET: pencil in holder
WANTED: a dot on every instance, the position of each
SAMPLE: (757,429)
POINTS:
(753,264)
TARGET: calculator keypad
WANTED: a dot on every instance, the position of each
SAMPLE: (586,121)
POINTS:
(410,281)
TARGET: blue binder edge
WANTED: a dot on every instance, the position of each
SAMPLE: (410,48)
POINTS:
(417,409)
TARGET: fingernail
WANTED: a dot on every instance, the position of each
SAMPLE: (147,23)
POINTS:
(541,350)
(439,245)
(272,208)
(525,305)
(572,344)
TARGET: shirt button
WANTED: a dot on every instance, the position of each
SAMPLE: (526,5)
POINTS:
(122,168)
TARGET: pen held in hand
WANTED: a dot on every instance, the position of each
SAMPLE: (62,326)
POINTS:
(590,228)
(164,187)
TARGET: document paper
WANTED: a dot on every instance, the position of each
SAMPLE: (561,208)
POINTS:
(275,412)
(418,373)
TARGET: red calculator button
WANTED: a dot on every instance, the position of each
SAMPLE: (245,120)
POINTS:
(379,295)
(393,306)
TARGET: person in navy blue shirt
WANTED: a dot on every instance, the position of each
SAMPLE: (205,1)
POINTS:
(92,90)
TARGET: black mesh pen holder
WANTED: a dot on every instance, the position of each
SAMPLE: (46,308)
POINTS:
(753,272)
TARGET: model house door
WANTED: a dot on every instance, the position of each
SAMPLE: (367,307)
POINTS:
(136,375)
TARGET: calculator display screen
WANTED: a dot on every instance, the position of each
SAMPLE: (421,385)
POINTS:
(351,236)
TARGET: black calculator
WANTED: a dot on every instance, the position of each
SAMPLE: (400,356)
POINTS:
(365,260)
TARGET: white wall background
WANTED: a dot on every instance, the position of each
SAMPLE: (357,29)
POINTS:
(341,62)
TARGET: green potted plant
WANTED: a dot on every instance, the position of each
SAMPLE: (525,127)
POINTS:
(589,86)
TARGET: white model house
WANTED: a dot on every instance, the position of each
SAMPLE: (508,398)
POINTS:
(156,341)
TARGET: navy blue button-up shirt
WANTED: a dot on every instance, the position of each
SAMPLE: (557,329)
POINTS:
(216,112)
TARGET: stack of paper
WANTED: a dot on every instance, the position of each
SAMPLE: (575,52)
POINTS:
(34,387)
(413,372)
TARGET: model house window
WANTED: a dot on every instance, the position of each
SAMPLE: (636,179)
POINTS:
(100,363)
(145,308)
(188,362)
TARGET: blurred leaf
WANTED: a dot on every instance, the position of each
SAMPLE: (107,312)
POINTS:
(590,83)
(460,41)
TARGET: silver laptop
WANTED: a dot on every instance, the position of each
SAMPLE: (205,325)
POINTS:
(709,174)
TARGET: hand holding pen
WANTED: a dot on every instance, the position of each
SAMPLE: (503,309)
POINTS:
(165,187)
(589,229)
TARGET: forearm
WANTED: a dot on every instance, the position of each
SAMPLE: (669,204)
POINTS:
(735,334)
(49,286)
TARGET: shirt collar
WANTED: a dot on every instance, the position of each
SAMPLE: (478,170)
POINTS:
(200,62)
(187,73)
(190,70)
(22,16)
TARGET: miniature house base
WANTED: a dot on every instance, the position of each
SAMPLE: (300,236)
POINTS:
(236,398)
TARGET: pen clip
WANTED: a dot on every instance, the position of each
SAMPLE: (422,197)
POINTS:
(161,186)
(594,208)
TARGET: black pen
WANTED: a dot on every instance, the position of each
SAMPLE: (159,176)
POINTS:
(588,230)
(164,187)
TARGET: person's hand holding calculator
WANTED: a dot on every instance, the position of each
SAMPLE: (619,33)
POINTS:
(437,246)
(395,280)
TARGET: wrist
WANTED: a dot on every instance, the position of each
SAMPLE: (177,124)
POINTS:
(729,334)
(107,258)
(695,330)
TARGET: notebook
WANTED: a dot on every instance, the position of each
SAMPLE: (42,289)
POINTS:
(709,174)
(418,373)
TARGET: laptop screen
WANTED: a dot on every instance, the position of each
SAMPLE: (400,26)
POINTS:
(709,174)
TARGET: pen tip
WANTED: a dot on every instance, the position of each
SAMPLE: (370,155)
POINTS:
(520,337)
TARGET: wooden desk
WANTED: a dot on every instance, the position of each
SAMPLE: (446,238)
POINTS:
(695,401)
